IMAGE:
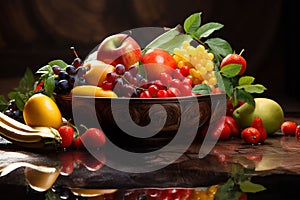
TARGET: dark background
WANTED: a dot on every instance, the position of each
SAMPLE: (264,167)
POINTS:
(34,32)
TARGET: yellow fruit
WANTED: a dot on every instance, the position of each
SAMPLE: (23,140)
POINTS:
(41,110)
(268,110)
(40,181)
(91,90)
(97,72)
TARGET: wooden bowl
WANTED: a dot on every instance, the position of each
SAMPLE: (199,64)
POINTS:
(164,117)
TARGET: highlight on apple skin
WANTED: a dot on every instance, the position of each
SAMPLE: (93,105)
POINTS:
(119,49)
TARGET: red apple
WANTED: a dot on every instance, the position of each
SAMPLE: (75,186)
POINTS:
(157,61)
(119,49)
(235,59)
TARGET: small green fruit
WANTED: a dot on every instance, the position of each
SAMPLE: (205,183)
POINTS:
(268,110)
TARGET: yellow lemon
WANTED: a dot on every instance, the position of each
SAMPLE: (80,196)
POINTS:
(41,110)
(96,72)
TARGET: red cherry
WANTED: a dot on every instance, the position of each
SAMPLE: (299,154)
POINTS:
(173,92)
(93,138)
(288,128)
(185,70)
(162,94)
(250,135)
(235,59)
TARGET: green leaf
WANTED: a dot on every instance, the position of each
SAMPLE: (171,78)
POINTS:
(231,70)
(176,42)
(58,62)
(219,46)
(3,103)
(201,89)
(29,78)
(228,86)
(192,23)
(245,96)
(20,102)
(47,69)
(257,88)
(49,85)
(168,41)
(246,80)
(207,29)
(220,80)
(248,186)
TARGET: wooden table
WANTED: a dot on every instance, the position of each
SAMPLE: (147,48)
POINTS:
(275,164)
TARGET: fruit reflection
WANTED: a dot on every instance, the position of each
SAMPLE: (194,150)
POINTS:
(40,181)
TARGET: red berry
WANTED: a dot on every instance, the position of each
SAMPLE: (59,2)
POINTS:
(67,133)
(234,127)
(235,59)
(251,135)
(173,92)
(165,78)
(145,94)
(153,89)
(93,138)
(288,128)
(297,133)
(185,71)
(162,94)
(77,143)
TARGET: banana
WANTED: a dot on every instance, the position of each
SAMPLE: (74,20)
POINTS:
(29,137)
(15,124)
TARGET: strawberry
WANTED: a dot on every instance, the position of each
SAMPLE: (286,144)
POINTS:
(67,133)
(258,124)
(93,138)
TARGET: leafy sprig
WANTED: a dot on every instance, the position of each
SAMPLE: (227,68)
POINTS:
(48,77)
(22,92)
(237,184)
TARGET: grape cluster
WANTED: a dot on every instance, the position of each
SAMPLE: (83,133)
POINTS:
(125,83)
(132,84)
(199,61)
(66,78)
(13,111)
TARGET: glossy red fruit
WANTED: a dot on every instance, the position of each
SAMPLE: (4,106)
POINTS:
(226,132)
(157,61)
(250,135)
(93,138)
(234,127)
(235,59)
(297,133)
(173,92)
(258,124)
(221,131)
(288,128)
(67,164)
(67,133)
(77,143)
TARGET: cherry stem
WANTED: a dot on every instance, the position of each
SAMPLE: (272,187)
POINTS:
(241,52)
(74,51)
(86,128)
(127,36)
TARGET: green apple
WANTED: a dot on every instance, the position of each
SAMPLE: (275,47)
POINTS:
(268,110)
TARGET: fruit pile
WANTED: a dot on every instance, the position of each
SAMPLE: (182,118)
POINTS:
(181,62)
